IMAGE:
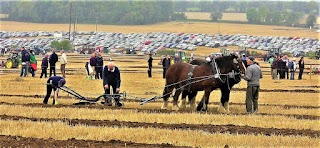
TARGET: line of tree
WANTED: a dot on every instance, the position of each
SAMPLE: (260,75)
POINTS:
(263,15)
(243,6)
(102,12)
(130,12)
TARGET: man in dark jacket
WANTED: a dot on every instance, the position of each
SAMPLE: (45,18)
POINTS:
(150,66)
(301,68)
(54,83)
(93,64)
(53,60)
(99,66)
(111,77)
(44,66)
(166,62)
(25,59)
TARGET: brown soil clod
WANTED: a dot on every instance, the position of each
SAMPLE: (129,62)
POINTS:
(18,141)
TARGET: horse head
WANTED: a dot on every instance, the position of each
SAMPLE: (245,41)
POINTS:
(231,63)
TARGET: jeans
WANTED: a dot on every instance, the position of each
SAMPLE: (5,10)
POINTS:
(25,69)
(44,72)
(292,75)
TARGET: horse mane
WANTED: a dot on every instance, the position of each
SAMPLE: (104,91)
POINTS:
(225,60)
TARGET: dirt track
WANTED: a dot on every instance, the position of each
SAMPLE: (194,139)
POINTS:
(232,129)
(136,100)
(18,141)
(308,117)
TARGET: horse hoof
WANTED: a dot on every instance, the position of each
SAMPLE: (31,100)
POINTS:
(165,106)
(175,107)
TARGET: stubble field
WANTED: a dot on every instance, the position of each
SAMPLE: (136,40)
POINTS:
(289,111)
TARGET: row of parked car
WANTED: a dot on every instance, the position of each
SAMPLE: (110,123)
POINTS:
(154,41)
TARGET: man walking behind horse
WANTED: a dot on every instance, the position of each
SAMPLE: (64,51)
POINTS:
(111,77)
(252,76)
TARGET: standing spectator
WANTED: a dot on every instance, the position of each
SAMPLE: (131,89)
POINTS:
(165,65)
(44,66)
(252,76)
(111,77)
(33,63)
(25,59)
(271,59)
(150,65)
(99,66)
(192,56)
(286,70)
(93,63)
(2,51)
(63,61)
(53,59)
(176,58)
(301,68)
(292,66)
(274,68)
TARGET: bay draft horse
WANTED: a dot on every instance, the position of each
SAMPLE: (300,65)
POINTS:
(222,73)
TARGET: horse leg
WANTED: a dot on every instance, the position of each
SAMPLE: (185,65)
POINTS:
(192,100)
(166,94)
(224,101)
(203,105)
(183,99)
(175,100)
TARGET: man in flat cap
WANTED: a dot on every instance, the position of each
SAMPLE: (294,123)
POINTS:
(252,76)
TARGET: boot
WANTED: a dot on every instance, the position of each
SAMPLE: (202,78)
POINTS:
(118,103)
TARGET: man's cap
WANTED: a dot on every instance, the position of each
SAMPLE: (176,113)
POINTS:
(61,82)
(251,58)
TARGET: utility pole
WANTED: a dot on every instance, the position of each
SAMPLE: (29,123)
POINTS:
(70,22)
(74,25)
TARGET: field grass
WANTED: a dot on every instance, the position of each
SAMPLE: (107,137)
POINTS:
(62,131)
(188,27)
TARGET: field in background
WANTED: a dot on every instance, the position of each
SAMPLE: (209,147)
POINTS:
(187,27)
(226,16)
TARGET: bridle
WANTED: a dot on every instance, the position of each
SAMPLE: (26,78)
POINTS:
(234,74)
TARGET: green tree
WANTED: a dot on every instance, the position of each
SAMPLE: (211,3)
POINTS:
(65,45)
(311,20)
(253,16)
(216,16)
(263,13)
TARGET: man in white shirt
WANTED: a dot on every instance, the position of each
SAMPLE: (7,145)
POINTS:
(63,61)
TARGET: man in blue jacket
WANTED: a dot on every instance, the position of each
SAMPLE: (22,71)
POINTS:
(111,77)
(25,59)
(54,83)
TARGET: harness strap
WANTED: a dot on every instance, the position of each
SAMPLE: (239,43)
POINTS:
(190,74)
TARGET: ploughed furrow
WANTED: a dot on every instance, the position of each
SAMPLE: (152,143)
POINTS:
(157,101)
(301,117)
(232,129)
(281,90)
(18,141)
